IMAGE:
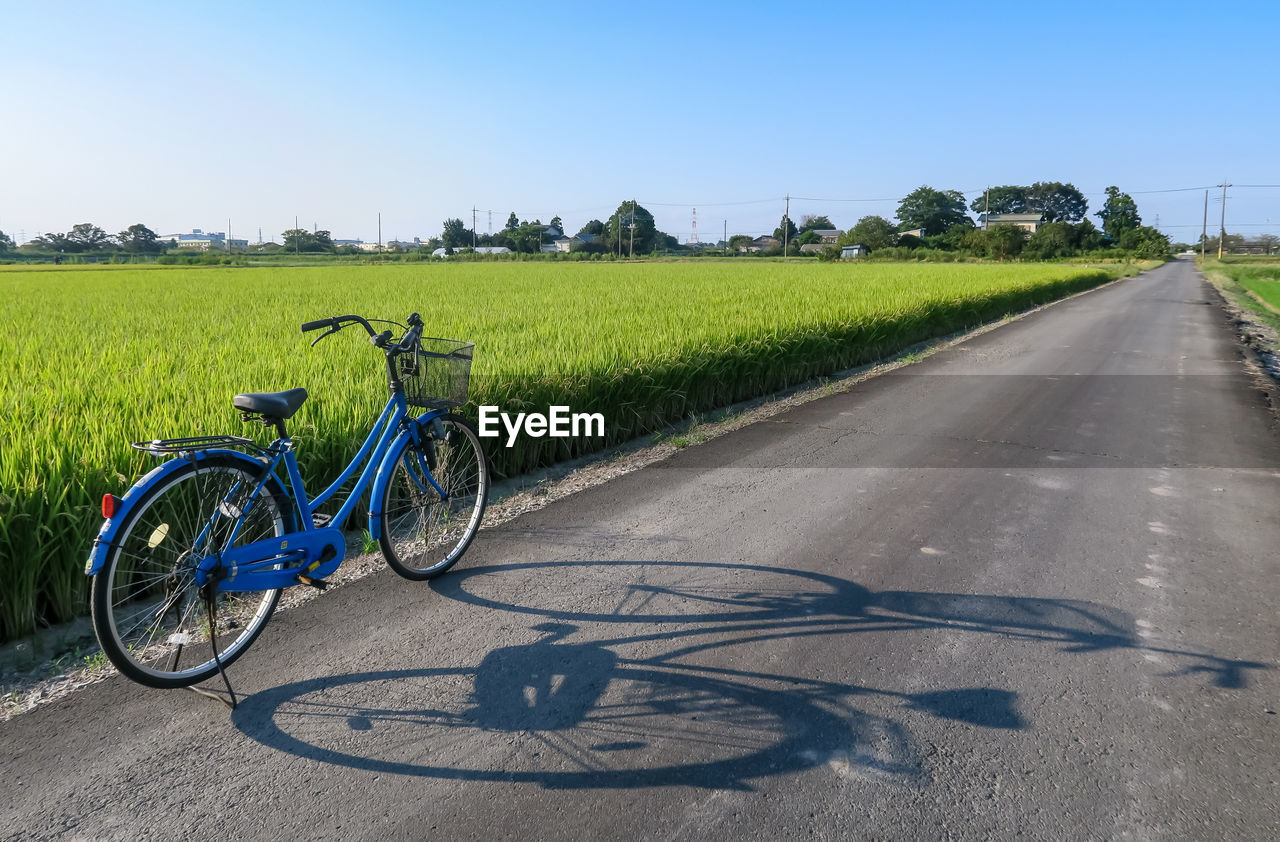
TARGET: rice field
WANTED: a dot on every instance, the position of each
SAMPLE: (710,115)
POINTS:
(1259,277)
(91,360)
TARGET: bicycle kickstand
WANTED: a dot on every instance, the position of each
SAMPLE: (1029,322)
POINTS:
(211,611)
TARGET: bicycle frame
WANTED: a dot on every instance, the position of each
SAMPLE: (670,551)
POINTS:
(308,550)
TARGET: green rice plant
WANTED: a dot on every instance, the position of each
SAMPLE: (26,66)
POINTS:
(91,359)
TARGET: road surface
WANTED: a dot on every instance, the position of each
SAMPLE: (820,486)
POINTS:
(1027,586)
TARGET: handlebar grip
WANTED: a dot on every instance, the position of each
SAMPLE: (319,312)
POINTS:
(307,327)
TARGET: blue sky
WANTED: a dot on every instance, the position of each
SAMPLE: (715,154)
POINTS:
(184,115)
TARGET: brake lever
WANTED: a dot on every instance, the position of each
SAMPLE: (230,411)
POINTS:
(333,329)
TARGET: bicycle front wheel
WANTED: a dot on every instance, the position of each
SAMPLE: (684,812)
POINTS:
(147,610)
(422,533)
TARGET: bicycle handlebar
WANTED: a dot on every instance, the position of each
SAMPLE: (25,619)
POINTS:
(307,327)
(336,323)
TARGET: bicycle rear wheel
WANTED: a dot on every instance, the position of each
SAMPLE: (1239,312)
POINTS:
(423,535)
(147,610)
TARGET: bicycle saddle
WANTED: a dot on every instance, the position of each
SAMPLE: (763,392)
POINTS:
(280,405)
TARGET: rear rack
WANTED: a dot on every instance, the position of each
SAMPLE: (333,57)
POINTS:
(166,447)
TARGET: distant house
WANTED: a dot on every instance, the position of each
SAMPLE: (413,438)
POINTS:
(1029,221)
(829,236)
(764,243)
(812,248)
(918,233)
(855,250)
(567,244)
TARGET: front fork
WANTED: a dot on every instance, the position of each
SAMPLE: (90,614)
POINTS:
(424,438)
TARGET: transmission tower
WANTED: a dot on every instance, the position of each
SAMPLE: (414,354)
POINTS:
(693,237)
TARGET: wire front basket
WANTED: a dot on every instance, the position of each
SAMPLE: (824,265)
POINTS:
(440,375)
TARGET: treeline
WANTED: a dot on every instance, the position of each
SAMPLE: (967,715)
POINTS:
(931,224)
(939,223)
(87,238)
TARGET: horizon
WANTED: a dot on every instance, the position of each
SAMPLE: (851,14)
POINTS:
(195,120)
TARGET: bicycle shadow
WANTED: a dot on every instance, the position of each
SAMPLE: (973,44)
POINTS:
(564,714)
(576,716)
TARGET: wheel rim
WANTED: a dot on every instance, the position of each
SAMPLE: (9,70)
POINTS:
(155,616)
(425,533)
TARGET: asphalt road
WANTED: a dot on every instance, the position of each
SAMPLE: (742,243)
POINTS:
(1027,586)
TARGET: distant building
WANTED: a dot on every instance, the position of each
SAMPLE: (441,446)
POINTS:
(1028,221)
(567,244)
(203,241)
(764,243)
(855,250)
(812,248)
(829,236)
(918,233)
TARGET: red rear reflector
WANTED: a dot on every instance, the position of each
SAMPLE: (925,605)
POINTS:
(110,504)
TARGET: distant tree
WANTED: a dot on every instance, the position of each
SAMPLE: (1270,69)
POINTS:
(1005,241)
(1230,243)
(52,241)
(951,239)
(786,227)
(618,229)
(557,224)
(456,234)
(512,222)
(88,237)
(1145,241)
(1053,239)
(808,238)
(933,210)
(300,239)
(740,241)
(527,238)
(1058,202)
(6,243)
(1119,214)
(815,222)
(138,239)
(874,232)
(1007,199)
(595,228)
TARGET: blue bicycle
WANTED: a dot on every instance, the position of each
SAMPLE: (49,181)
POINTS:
(189,564)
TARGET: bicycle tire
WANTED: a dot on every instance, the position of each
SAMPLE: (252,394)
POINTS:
(156,541)
(415,526)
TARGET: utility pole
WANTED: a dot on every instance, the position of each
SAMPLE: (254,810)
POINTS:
(632,253)
(1222,225)
(490,223)
(986,206)
(296,238)
(786,225)
(379,232)
(1204,228)
(473,228)
(726,236)
(228,235)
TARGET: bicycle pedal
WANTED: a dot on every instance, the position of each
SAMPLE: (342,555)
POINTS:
(320,521)
(318,584)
